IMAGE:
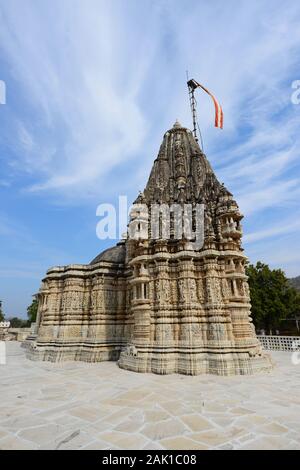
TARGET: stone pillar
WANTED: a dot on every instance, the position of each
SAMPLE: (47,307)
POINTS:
(140,305)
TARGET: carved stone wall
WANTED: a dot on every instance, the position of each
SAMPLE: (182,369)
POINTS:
(82,314)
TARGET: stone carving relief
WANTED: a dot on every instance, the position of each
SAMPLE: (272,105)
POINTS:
(185,332)
(164,332)
(192,290)
(213,290)
(196,330)
(162,291)
(182,290)
(200,289)
(216,331)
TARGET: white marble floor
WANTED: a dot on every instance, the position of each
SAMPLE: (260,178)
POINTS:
(77,405)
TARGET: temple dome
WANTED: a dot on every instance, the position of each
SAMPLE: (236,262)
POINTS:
(116,254)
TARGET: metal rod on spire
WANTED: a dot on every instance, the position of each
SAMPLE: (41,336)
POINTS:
(192,85)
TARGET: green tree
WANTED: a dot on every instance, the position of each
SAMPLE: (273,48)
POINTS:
(32,311)
(295,282)
(1,312)
(16,322)
(272,297)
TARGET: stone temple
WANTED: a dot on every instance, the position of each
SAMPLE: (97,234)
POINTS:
(155,304)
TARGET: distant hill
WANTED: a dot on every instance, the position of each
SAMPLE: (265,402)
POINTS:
(295,282)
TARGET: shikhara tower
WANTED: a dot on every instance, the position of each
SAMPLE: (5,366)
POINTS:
(159,305)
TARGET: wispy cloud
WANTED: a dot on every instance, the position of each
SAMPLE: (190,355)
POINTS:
(285,226)
(71,63)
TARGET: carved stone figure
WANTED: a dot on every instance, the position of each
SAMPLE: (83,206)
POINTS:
(130,350)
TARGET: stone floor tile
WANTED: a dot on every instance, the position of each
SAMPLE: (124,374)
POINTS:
(87,413)
(239,410)
(111,437)
(41,434)
(155,415)
(70,440)
(118,416)
(182,443)
(266,443)
(196,422)
(22,422)
(133,441)
(177,408)
(272,428)
(210,438)
(134,395)
(151,445)
(3,433)
(214,408)
(95,445)
(129,426)
(14,443)
(164,429)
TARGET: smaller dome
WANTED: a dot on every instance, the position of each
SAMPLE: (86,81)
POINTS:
(116,254)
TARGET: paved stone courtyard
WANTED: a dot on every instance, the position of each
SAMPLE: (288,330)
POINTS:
(77,405)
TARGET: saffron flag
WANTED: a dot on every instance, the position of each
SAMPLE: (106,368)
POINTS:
(218,108)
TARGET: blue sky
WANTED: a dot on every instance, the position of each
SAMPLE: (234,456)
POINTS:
(91,86)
